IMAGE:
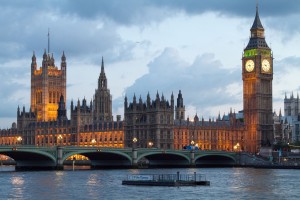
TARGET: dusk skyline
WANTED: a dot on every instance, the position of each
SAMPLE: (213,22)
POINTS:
(148,46)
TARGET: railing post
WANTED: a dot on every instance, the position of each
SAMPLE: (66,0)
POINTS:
(192,158)
(59,161)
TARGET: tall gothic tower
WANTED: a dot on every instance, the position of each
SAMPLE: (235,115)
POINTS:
(48,83)
(102,99)
(257,89)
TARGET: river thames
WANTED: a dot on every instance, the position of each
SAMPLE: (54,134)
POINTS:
(226,183)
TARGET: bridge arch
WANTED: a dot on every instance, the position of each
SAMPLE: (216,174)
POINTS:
(165,159)
(215,160)
(30,158)
(27,154)
(103,158)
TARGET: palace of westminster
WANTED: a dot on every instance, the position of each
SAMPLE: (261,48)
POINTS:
(153,123)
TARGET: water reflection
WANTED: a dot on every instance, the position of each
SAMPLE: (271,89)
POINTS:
(226,183)
(92,180)
(17,183)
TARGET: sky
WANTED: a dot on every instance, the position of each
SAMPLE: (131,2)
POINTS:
(148,46)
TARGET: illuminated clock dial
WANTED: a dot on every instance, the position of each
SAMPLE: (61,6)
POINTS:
(265,66)
(249,65)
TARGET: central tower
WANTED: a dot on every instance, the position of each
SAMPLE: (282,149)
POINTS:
(48,83)
(257,75)
(102,99)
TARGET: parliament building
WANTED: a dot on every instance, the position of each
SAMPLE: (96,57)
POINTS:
(153,123)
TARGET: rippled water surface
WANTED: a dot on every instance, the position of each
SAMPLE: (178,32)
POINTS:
(226,183)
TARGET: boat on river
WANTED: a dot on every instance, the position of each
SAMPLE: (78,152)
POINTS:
(166,180)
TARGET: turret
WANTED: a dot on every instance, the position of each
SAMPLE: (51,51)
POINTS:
(45,55)
(196,118)
(72,106)
(63,64)
(172,100)
(157,100)
(63,57)
(18,111)
(102,81)
(134,99)
(125,103)
(78,106)
(180,108)
(33,63)
(140,101)
(148,100)
(157,97)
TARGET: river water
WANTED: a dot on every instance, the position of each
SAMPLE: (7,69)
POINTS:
(226,183)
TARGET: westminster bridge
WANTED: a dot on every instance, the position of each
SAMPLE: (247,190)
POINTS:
(32,157)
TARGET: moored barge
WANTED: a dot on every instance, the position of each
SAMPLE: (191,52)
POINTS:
(166,180)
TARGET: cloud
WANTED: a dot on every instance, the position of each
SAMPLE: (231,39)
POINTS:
(76,36)
(14,87)
(83,28)
(204,83)
(131,12)
(87,30)
(286,76)
(144,11)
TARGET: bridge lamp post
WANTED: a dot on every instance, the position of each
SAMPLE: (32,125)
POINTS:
(150,144)
(134,140)
(237,147)
(19,140)
(192,143)
(93,142)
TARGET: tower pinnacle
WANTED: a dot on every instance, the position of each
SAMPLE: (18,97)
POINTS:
(257,23)
(48,40)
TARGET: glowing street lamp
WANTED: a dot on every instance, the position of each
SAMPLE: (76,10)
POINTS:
(236,147)
(150,144)
(192,143)
(59,137)
(19,139)
(93,141)
(134,140)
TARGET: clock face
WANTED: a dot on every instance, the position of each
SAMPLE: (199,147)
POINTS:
(249,65)
(265,66)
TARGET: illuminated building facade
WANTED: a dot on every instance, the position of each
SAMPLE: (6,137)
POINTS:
(152,123)
(48,83)
(226,133)
(89,125)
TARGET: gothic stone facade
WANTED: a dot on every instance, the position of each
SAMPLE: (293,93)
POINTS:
(150,122)
(91,125)
(153,125)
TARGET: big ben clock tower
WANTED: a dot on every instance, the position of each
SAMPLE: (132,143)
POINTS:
(257,90)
